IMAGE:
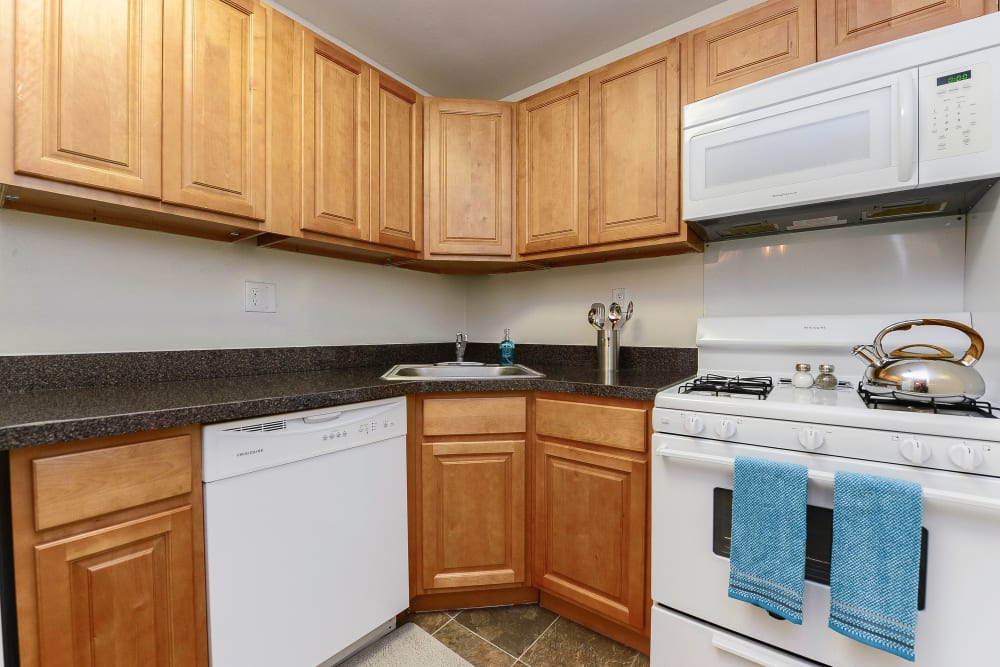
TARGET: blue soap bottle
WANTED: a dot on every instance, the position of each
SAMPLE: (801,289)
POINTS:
(506,349)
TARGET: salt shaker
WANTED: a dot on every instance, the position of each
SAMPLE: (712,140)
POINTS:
(826,379)
(802,377)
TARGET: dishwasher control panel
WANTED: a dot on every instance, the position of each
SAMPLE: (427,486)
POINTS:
(244,446)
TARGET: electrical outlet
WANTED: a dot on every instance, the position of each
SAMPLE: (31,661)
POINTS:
(619,295)
(260,297)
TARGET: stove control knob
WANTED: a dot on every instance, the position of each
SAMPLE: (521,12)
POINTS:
(810,437)
(726,428)
(966,457)
(914,451)
(693,424)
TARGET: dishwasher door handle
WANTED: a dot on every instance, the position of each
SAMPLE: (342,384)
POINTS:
(319,419)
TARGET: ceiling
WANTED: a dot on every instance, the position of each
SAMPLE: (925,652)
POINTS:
(487,49)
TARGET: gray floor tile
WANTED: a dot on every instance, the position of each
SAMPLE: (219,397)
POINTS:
(475,649)
(512,628)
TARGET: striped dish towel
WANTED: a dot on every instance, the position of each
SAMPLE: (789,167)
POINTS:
(875,566)
(767,557)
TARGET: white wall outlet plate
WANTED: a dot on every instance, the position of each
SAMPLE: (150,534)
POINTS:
(619,295)
(260,297)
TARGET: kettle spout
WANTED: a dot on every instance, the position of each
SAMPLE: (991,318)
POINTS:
(867,354)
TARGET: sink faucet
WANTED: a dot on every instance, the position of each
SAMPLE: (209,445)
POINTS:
(461,340)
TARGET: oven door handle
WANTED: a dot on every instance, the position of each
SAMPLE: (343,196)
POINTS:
(933,495)
(754,653)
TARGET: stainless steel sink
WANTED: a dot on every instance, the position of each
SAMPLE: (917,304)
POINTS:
(466,371)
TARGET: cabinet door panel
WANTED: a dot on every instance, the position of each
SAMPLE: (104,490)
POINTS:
(335,152)
(634,147)
(552,195)
(849,25)
(468,202)
(590,530)
(473,513)
(90,83)
(397,134)
(213,107)
(122,595)
(765,40)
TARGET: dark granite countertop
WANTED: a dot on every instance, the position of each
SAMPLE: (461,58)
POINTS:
(122,399)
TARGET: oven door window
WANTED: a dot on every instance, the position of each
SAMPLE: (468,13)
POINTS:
(819,540)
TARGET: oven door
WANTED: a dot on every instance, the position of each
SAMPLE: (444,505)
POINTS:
(960,600)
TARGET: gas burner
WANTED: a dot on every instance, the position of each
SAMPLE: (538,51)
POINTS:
(893,401)
(722,385)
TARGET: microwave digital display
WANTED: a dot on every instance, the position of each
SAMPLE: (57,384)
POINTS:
(954,78)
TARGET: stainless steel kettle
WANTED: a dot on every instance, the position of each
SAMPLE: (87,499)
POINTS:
(934,375)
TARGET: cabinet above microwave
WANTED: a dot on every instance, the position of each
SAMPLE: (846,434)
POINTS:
(892,132)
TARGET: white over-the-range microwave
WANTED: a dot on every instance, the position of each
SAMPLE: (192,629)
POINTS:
(895,131)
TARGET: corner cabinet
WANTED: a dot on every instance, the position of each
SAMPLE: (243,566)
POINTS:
(599,164)
(468,486)
(468,177)
(108,551)
(591,513)
(849,25)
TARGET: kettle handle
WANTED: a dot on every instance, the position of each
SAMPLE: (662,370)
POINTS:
(971,356)
(939,352)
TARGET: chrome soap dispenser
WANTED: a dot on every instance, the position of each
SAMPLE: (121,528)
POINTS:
(506,349)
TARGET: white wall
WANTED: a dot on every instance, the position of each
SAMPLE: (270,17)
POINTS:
(550,306)
(73,286)
(982,285)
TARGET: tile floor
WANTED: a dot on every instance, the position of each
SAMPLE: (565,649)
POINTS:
(523,636)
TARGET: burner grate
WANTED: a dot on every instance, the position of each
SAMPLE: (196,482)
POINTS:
(893,401)
(722,385)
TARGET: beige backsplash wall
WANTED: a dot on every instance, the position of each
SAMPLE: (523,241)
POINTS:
(70,286)
(550,306)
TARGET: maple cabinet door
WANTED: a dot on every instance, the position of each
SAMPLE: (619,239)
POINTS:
(473,504)
(335,173)
(552,147)
(849,25)
(122,595)
(397,164)
(634,147)
(469,203)
(770,38)
(89,81)
(590,530)
(213,106)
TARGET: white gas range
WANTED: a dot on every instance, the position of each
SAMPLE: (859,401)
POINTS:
(700,429)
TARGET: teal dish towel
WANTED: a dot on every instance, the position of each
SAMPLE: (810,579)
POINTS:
(767,557)
(875,566)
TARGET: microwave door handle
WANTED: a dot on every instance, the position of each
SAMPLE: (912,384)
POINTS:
(906,122)
(754,653)
(933,495)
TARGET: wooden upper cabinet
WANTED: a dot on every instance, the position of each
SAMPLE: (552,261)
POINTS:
(213,105)
(468,201)
(634,146)
(397,163)
(849,25)
(335,104)
(552,147)
(765,40)
(88,76)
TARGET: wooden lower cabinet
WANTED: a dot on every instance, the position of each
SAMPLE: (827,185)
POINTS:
(115,576)
(473,511)
(590,530)
(520,497)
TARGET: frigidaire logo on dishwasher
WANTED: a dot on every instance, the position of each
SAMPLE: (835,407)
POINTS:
(815,327)
(250,452)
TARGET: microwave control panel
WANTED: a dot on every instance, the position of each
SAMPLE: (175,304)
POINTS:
(955,114)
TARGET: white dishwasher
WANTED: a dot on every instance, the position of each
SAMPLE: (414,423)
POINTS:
(305,533)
